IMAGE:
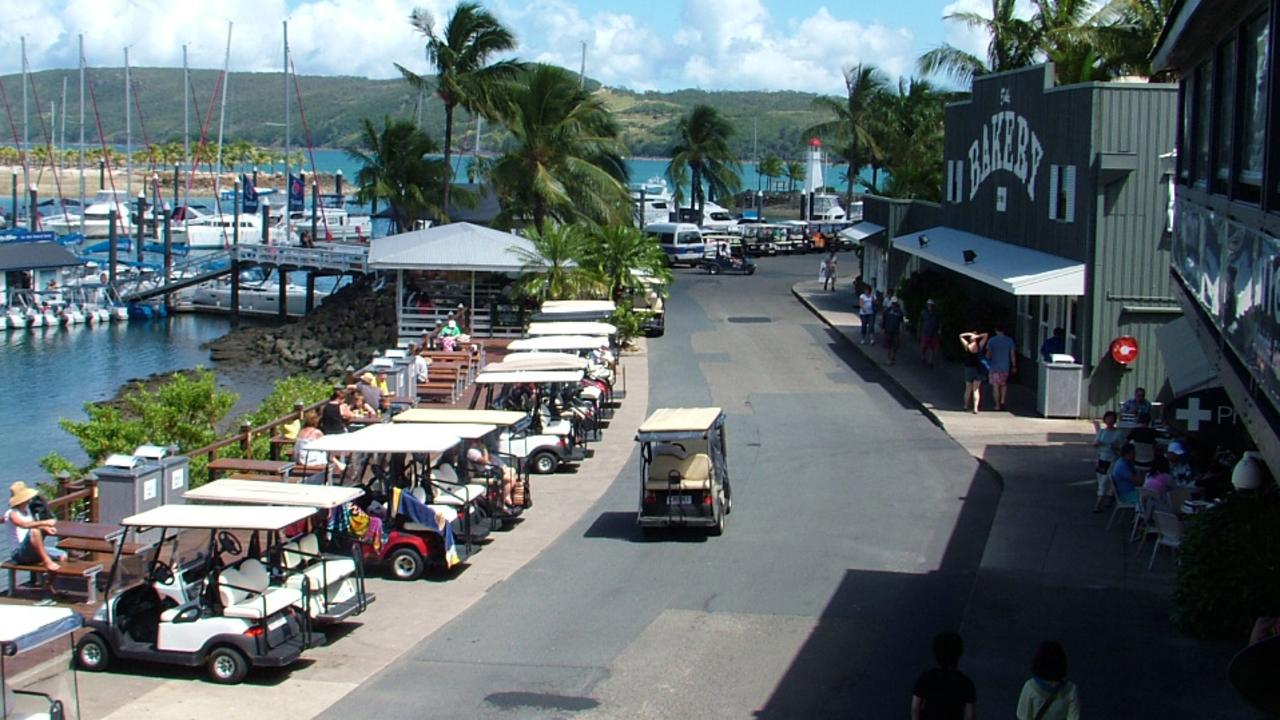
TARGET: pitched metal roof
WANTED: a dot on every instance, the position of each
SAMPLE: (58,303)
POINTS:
(460,246)
(34,256)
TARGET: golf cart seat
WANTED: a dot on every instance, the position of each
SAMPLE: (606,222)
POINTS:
(303,557)
(449,514)
(671,472)
(449,490)
(245,592)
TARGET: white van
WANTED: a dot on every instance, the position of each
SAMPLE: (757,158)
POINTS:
(682,242)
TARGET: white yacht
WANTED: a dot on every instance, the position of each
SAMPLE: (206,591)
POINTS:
(218,230)
(657,200)
(333,224)
(96,223)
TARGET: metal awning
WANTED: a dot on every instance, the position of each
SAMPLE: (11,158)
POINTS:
(460,246)
(19,256)
(1188,368)
(1012,268)
(861,231)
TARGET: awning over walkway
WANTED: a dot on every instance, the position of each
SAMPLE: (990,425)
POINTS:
(861,231)
(460,246)
(1189,370)
(1012,268)
(34,256)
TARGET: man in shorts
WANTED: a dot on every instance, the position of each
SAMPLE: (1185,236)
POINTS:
(930,333)
(26,534)
(1002,356)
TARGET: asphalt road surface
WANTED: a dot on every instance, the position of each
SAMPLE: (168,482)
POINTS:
(855,534)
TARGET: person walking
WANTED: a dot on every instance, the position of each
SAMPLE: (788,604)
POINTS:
(944,693)
(1002,363)
(892,326)
(1107,445)
(975,372)
(829,268)
(867,314)
(930,333)
(1048,694)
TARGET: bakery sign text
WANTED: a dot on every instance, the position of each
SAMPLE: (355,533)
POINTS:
(1007,143)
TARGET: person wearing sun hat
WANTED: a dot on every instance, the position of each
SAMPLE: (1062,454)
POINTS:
(26,534)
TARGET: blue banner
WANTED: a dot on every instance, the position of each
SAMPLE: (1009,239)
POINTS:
(297,194)
(250,206)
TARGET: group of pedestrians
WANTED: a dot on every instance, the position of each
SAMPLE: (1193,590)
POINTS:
(988,358)
(945,693)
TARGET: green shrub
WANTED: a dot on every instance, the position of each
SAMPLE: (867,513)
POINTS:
(286,393)
(630,323)
(1229,572)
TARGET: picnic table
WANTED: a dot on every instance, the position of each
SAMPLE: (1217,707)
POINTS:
(279,468)
(79,536)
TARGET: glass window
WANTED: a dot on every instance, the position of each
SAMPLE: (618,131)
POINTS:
(1188,104)
(1225,107)
(1204,111)
(1254,113)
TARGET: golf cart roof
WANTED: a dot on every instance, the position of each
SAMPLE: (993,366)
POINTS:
(500,418)
(218,517)
(571,328)
(260,492)
(558,342)
(671,420)
(23,627)
(516,362)
(530,376)
(388,438)
(556,307)
(464,430)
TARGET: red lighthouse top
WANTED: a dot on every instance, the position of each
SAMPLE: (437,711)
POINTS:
(815,143)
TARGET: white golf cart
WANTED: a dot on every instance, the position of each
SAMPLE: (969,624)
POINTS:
(575,310)
(37,675)
(530,392)
(334,582)
(506,434)
(684,469)
(196,601)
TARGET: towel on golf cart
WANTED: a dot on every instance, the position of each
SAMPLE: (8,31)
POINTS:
(419,512)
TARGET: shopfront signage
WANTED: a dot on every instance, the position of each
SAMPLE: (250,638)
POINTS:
(1007,143)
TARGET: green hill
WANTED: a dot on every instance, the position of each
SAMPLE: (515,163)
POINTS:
(335,107)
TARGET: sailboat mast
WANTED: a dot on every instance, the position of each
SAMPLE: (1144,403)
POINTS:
(288,140)
(222,116)
(81,134)
(26,139)
(62,164)
(186,121)
(128,131)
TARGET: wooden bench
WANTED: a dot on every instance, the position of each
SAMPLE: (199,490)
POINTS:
(70,568)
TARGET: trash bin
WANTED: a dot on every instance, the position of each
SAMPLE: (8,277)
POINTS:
(128,485)
(174,471)
(1059,387)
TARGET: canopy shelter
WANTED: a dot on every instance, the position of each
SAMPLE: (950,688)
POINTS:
(669,420)
(387,438)
(861,231)
(518,362)
(459,247)
(21,256)
(258,492)
(1188,368)
(23,627)
(558,343)
(501,418)
(1012,268)
(571,328)
(218,517)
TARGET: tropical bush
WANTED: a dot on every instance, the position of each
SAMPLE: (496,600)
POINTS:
(282,399)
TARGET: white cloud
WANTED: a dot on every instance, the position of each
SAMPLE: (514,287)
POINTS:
(720,44)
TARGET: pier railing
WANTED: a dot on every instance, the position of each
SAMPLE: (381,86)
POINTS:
(334,258)
(241,444)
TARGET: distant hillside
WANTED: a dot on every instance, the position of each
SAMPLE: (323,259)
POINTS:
(335,107)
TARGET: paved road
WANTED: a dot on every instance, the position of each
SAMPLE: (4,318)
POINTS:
(854,538)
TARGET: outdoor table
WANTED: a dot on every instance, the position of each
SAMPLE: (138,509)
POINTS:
(280,468)
(89,531)
(365,420)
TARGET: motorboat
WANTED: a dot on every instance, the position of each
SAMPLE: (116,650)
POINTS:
(333,224)
(95,218)
(218,230)
(655,196)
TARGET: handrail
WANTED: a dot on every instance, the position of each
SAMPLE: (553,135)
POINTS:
(244,438)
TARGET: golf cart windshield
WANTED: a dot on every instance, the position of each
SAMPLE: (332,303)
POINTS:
(37,678)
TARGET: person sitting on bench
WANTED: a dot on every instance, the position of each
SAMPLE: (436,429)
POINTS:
(26,534)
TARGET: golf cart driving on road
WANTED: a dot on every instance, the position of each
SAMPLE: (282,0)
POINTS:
(684,469)
(37,675)
(720,259)
(196,601)
(335,584)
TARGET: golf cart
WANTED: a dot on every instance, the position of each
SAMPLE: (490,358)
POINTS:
(535,394)
(505,433)
(196,601)
(581,345)
(684,469)
(730,260)
(575,311)
(423,500)
(646,301)
(335,582)
(37,675)
(573,328)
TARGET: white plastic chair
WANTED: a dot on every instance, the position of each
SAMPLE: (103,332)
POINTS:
(1120,505)
(1148,502)
(1169,534)
(1143,455)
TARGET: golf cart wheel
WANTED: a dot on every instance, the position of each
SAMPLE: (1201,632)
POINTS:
(92,653)
(227,666)
(751,270)
(713,270)
(406,564)
(544,463)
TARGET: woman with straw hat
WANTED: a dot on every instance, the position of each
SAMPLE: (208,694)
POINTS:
(26,534)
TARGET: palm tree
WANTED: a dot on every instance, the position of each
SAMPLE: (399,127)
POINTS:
(551,270)
(679,179)
(770,167)
(564,157)
(1127,31)
(459,54)
(399,165)
(614,253)
(1065,29)
(795,172)
(702,146)
(1013,44)
(909,123)
(851,126)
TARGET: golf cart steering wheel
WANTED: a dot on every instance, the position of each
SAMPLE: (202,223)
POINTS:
(228,543)
(681,446)
(159,572)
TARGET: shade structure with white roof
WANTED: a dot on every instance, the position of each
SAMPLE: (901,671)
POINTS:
(1013,268)
(572,328)
(23,627)
(218,517)
(667,420)
(387,438)
(861,231)
(558,343)
(516,362)
(501,418)
(258,492)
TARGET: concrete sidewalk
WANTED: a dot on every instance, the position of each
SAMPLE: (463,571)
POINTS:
(403,615)
(1049,568)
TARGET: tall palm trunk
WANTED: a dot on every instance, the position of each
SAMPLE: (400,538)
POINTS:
(695,190)
(848,190)
(448,153)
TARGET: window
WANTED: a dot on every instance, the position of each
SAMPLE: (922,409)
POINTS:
(1204,111)
(955,181)
(1254,113)
(1225,115)
(1184,152)
(1062,193)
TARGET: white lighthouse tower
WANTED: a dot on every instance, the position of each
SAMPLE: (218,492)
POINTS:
(816,205)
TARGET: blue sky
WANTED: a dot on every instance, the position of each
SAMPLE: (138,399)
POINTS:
(659,44)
